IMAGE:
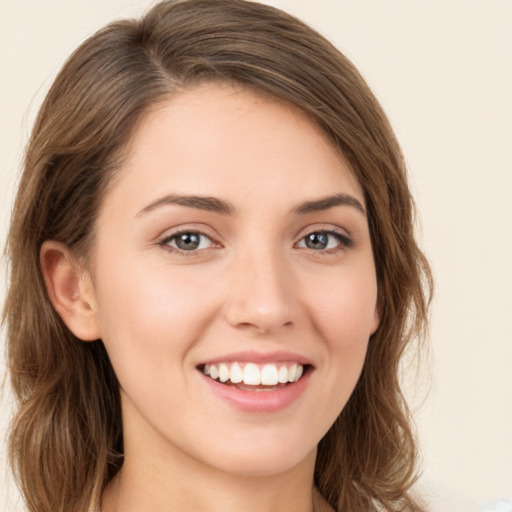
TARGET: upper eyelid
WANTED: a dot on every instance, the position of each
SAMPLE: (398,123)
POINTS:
(175,234)
(323,228)
(345,239)
(175,231)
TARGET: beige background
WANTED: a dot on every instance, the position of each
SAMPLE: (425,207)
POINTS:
(443,71)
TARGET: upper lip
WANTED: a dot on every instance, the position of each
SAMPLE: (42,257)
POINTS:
(258,357)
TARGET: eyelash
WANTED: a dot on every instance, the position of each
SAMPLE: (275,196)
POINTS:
(164,242)
(344,241)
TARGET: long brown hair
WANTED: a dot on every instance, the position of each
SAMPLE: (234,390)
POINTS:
(66,439)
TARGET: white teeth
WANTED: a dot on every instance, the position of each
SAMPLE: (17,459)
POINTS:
(292,373)
(237,374)
(282,376)
(214,371)
(223,373)
(269,376)
(253,375)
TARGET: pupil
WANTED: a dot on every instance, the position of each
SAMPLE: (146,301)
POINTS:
(188,241)
(316,241)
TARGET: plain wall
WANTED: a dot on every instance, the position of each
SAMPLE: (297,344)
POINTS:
(443,72)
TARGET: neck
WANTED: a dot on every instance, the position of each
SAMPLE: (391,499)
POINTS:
(278,494)
(142,488)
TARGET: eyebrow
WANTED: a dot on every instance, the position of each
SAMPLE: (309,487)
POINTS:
(211,204)
(325,203)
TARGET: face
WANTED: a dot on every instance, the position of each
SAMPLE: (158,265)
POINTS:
(234,283)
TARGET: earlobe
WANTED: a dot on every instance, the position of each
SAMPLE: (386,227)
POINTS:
(70,290)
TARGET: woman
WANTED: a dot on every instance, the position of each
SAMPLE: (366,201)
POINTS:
(213,275)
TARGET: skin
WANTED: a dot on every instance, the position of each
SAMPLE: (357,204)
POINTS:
(253,284)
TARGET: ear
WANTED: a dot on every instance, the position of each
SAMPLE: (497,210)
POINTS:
(70,290)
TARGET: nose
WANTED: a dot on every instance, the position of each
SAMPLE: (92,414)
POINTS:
(261,294)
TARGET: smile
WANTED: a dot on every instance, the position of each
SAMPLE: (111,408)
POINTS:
(252,374)
(255,382)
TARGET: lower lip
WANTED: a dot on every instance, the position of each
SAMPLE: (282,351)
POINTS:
(259,401)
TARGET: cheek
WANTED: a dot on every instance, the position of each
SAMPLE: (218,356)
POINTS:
(341,314)
(345,304)
(149,317)
(150,321)
(344,313)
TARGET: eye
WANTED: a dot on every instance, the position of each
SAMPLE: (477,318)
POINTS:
(325,241)
(187,241)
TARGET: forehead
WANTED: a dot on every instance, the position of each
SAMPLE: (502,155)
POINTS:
(217,139)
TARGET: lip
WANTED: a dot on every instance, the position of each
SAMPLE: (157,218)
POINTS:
(259,358)
(258,401)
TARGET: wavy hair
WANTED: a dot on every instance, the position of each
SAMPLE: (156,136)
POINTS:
(66,440)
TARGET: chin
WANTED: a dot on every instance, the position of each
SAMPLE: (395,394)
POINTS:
(257,461)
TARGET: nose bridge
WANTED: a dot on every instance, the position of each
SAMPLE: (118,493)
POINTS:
(261,292)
